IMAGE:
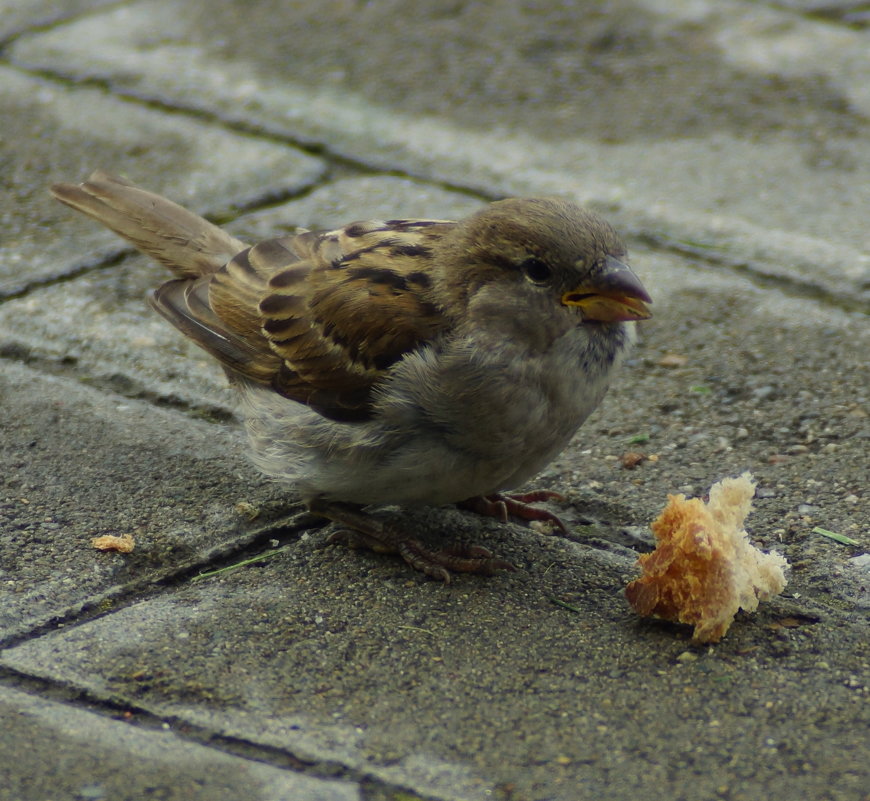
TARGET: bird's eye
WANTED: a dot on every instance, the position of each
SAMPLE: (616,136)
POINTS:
(536,271)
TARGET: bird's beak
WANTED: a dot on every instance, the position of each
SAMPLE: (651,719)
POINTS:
(615,295)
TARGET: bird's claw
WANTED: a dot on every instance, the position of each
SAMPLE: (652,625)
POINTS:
(503,507)
(359,530)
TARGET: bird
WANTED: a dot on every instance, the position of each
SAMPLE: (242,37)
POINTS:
(399,362)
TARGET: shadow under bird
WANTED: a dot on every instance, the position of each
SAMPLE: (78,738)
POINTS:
(408,361)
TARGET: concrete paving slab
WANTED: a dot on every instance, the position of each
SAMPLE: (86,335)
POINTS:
(55,751)
(21,15)
(731,126)
(101,329)
(345,200)
(53,132)
(80,463)
(485,689)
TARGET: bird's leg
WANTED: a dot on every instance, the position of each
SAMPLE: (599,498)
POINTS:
(519,505)
(367,531)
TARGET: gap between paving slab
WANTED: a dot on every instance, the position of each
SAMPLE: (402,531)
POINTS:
(83,463)
(61,133)
(61,752)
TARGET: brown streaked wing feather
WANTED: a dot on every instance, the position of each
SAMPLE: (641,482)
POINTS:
(354,307)
(220,312)
(238,287)
(185,304)
(319,316)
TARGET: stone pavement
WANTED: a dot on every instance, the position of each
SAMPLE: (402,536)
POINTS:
(727,140)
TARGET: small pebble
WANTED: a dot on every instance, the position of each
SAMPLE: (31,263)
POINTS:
(862,561)
(764,393)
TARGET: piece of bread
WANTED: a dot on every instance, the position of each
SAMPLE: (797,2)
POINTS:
(704,568)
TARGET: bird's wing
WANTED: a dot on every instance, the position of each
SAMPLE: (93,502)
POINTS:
(320,316)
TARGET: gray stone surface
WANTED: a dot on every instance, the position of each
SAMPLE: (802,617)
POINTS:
(17,16)
(459,692)
(117,342)
(80,463)
(728,140)
(53,133)
(67,754)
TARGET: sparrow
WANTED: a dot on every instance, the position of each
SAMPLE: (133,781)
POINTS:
(398,362)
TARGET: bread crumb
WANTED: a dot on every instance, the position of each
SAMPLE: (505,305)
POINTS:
(631,459)
(543,526)
(704,568)
(673,360)
(248,510)
(111,542)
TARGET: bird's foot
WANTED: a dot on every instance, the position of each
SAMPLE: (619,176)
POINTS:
(518,505)
(361,530)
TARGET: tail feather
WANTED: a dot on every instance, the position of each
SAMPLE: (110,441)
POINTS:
(183,241)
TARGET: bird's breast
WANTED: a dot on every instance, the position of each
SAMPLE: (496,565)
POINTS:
(499,400)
